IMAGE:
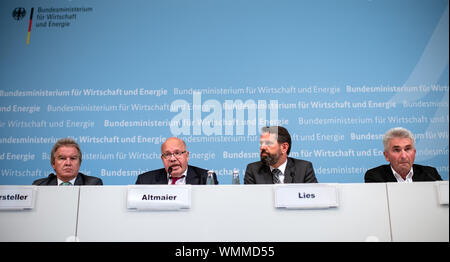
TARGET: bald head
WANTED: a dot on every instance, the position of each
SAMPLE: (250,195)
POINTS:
(174,156)
(173,141)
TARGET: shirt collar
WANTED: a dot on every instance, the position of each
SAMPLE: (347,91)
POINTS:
(72,181)
(400,178)
(282,168)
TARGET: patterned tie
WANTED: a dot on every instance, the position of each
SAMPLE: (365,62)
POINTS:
(65,184)
(175,179)
(276,176)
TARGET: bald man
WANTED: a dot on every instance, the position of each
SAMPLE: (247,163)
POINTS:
(176,171)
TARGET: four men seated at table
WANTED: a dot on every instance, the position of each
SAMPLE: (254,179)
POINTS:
(274,167)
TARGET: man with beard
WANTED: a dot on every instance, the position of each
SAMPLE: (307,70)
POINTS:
(66,161)
(275,166)
(176,169)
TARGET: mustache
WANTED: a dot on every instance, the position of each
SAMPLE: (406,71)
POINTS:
(267,159)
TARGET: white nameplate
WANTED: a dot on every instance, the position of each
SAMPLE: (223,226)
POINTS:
(305,196)
(443,193)
(16,198)
(159,197)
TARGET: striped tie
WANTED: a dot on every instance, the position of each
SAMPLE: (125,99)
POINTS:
(276,176)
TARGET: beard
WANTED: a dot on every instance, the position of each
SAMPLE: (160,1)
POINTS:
(270,159)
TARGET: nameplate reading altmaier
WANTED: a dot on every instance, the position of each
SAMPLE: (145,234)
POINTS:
(16,198)
(305,196)
(159,197)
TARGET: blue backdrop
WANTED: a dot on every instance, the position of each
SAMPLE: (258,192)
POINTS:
(122,76)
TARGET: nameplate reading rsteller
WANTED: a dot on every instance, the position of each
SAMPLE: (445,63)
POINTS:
(305,196)
(16,198)
(159,197)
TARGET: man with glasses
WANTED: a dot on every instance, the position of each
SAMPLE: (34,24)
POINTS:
(176,169)
(275,166)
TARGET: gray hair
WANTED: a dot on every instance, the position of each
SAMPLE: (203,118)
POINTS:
(397,132)
(64,142)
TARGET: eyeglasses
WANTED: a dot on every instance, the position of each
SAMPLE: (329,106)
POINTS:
(266,143)
(167,156)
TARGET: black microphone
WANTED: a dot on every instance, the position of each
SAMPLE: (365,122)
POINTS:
(169,170)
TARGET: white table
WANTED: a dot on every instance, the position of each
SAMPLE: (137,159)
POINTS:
(54,217)
(235,213)
(416,214)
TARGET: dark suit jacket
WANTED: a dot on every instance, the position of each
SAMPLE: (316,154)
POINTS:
(81,180)
(384,173)
(297,171)
(195,176)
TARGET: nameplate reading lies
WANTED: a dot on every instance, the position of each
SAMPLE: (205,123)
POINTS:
(305,196)
(443,193)
(16,198)
(159,197)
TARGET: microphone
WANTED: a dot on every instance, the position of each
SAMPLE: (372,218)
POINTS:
(169,170)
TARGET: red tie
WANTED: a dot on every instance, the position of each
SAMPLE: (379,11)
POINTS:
(175,179)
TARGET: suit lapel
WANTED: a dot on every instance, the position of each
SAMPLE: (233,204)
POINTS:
(53,180)
(417,174)
(161,178)
(79,180)
(191,177)
(389,174)
(289,172)
(266,174)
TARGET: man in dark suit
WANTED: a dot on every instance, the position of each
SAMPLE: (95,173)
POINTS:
(66,160)
(81,180)
(400,152)
(275,166)
(176,170)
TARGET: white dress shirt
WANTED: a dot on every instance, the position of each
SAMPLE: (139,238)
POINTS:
(400,178)
(72,182)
